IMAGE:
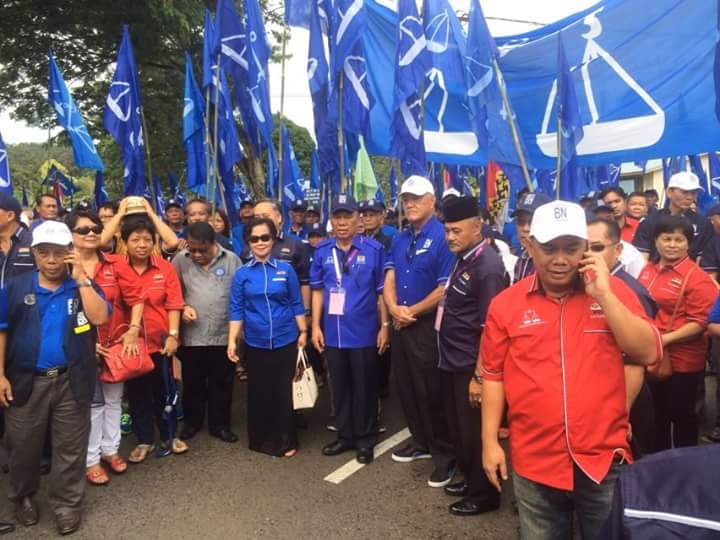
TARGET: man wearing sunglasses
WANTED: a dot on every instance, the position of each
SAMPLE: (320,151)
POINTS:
(417,269)
(553,346)
(206,270)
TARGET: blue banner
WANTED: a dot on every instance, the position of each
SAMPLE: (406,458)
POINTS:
(193,130)
(68,116)
(100,195)
(5,180)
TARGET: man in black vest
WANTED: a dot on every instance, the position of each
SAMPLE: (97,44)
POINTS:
(47,374)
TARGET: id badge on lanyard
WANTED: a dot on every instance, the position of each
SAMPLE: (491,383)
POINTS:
(337,294)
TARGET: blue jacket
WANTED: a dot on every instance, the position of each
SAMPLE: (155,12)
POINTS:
(23,343)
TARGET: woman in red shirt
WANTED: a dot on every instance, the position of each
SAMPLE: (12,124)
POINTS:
(126,299)
(684,294)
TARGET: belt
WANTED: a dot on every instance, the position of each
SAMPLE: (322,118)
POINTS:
(51,373)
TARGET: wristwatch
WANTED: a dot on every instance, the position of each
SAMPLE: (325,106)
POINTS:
(173,333)
(87,282)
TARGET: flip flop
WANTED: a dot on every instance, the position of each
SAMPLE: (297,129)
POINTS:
(117,464)
(97,477)
(179,446)
(140,453)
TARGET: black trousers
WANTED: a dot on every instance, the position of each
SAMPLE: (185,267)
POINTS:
(465,427)
(384,369)
(207,383)
(354,375)
(676,419)
(642,420)
(146,401)
(419,387)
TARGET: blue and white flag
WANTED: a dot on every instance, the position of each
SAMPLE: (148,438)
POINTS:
(159,202)
(571,126)
(100,194)
(258,90)
(228,141)
(175,190)
(411,62)
(347,31)
(393,184)
(122,117)
(193,130)
(211,50)
(68,116)
(314,170)
(291,176)
(5,180)
(58,180)
(714,166)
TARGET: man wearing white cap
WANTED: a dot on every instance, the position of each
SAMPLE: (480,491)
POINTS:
(681,193)
(418,266)
(553,347)
(47,374)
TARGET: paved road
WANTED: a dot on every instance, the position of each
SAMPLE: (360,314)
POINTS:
(225,491)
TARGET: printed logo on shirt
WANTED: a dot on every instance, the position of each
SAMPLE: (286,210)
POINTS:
(645,276)
(281,273)
(279,279)
(158,277)
(676,282)
(24,251)
(421,251)
(72,305)
(29,300)
(596,311)
(82,319)
(361,259)
(427,243)
(108,273)
(219,272)
(329,260)
(531,318)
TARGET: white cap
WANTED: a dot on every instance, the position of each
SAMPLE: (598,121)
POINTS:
(417,185)
(52,232)
(684,180)
(556,219)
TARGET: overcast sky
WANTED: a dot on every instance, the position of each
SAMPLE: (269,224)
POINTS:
(298,106)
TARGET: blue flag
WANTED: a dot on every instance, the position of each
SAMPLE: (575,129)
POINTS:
(100,195)
(271,174)
(122,117)
(159,202)
(714,167)
(705,199)
(314,170)
(175,190)
(5,180)
(68,116)
(393,181)
(228,141)
(258,81)
(59,181)
(411,62)
(211,49)
(572,129)
(193,130)
(347,30)
(297,12)
(291,176)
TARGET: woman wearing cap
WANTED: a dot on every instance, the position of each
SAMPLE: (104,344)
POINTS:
(266,308)
(685,295)
(126,298)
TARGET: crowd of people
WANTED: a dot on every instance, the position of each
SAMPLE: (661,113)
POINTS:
(592,323)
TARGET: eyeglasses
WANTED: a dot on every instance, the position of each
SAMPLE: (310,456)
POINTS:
(84,231)
(261,238)
(199,251)
(599,248)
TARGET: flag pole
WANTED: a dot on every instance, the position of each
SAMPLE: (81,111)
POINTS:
(513,127)
(559,156)
(146,143)
(282,116)
(341,141)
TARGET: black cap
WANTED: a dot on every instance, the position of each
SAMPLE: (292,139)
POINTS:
(83,205)
(312,208)
(460,208)
(529,202)
(299,205)
(10,204)
(372,205)
(343,202)
(316,229)
(173,202)
(247,202)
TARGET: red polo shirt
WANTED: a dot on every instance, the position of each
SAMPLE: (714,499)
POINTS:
(564,380)
(163,293)
(121,290)
(627,231)
(664,285)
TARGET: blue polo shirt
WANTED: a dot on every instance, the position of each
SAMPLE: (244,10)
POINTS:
(421,262)
(266,298)
(362,277)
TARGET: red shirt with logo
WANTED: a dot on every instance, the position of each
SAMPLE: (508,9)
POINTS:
(563,378)
(627,231)
(121,290)
(163,293)
(664,284)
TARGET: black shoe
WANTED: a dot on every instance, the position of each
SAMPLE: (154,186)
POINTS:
(224,434)
(45,466)
(26,512)
(68,522)
(189,432)
(441,476)
(474,505)
(336,448)
(458,489)
(365,455)
(6,528)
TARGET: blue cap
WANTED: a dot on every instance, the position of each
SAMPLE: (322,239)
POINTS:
(246,202)
(317,229)
(372,205)
(299,205)
(313,208)
(10,204)
(529,202)
(343,202)
(173,202)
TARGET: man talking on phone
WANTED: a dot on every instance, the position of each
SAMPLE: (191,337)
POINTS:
(553,348)
(48,369)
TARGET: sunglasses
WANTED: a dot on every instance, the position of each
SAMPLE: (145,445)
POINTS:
(599,248)
(84,231)
(261,238)
(199,251)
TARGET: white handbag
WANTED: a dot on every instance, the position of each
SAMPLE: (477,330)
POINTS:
(305,388)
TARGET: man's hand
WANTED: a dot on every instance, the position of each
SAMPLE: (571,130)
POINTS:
(475,393)
(232,352)
(171,346)
(6,396)
(182,244)
(318,339)
(493,461)
(595,274)
(189,314)
(402,315)
(383,339)
(122,208)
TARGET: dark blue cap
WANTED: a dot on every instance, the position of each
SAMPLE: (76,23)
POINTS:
(317,229)
(343,201)
(299,205)
(10,204)
(313,208)
(529,202)
(246,202)
(173,202)
(372,205)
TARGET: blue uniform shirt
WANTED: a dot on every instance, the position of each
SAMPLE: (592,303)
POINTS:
(421,262)
(266,298)
(389,230)
(362,277)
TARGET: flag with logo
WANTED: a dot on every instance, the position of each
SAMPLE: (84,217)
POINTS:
(193,130)
(292,179)
(258,51)
(5,180)
(122,117)
(571,132)
(175,191)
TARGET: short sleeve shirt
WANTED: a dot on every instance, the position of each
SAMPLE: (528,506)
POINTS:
(121,290)
(18,259)
(702,233)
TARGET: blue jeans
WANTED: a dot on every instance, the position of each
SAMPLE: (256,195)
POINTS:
(546,513)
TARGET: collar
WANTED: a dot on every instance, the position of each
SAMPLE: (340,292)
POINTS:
(69,283)
(271,261)
(470,252)
(679,266)
(615,269)
(357,242)
(425,228)
(536,286)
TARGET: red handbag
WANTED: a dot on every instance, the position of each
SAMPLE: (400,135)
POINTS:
(117,367)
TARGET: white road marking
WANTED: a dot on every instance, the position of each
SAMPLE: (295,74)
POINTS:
(352,466)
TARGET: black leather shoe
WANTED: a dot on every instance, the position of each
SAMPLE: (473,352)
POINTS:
(336,448)
(26,512)
(189,432)
(458,489)
(365,455)
(6,528)
(68,522)
(224,435)
(474,505)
